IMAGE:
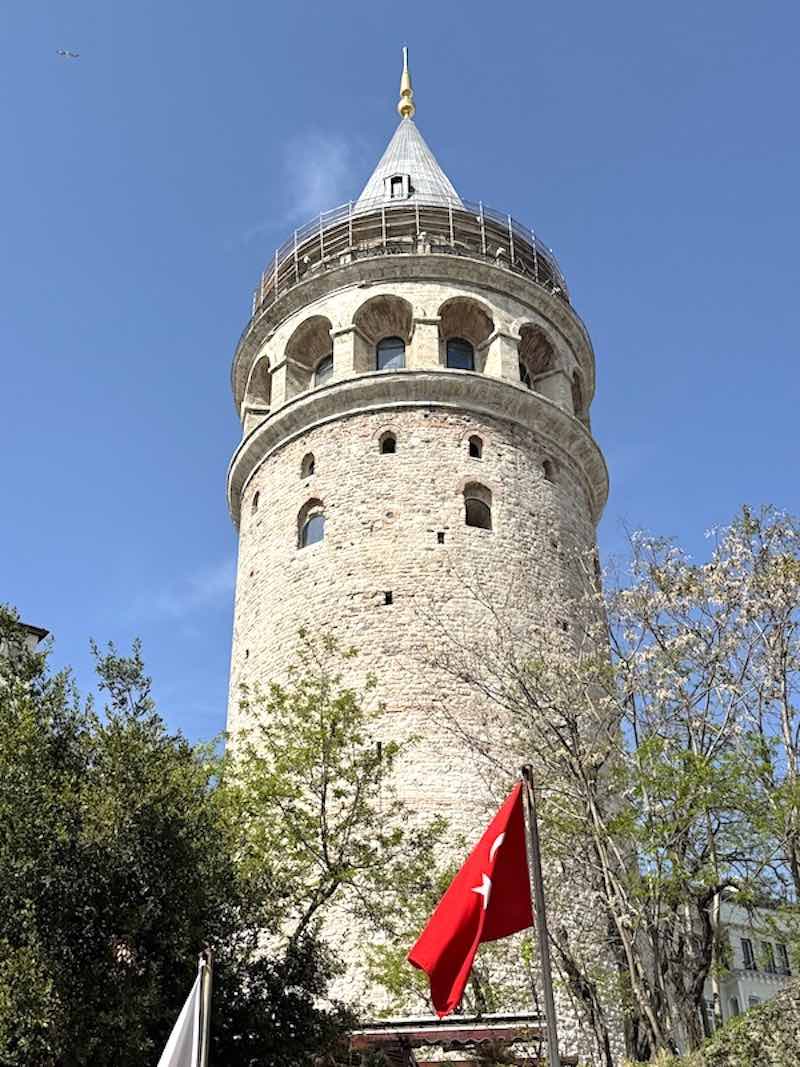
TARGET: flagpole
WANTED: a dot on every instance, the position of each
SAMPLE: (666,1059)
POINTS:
(534,855)
(205,1007)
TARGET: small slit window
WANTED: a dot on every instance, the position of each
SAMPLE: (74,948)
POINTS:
(460,354)
(391,354)
(549,471)
(256,498)
(388,443)
(311,524)
(308,466)
(476,447)
(478,506)
(323,371)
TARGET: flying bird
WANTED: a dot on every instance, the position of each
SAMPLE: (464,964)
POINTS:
(68,55)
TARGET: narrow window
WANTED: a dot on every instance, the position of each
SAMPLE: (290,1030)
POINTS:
(440,537)
(769,957)
(310,524)
(460,354)
(324,371)
(549,471)
(388,444)
(783,959)
(388,598)
(396,187)
(475,447)
(478,506)
(308,465)
(577,394)
(748,956)
(734,1003)
(256,498)
(391,354)
(525,375)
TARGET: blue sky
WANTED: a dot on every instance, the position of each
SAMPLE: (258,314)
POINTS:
(144,186)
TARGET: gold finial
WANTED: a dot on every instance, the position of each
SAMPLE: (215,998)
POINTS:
(405,104)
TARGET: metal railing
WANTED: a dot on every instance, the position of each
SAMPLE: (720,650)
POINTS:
(410,227)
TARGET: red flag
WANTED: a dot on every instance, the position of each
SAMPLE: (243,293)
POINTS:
(488,899)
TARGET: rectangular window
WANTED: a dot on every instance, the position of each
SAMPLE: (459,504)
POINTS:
(783,959)
(748,957)
(752,1001)
(396,188)
(769,957)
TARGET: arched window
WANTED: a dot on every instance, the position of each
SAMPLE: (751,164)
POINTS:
(388,443)
(475,447)
(391,354)
(310,523)
(307,466)
(460,354)
(477,506)
(549,471)
(254,505)
(323,371)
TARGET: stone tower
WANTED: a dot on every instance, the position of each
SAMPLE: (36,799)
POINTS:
(414,390)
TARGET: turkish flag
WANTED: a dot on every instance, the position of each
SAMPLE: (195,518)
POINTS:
(488,899)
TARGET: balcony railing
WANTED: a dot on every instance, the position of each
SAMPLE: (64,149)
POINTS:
(409,227)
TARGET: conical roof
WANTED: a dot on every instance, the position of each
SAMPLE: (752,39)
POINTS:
(408,154)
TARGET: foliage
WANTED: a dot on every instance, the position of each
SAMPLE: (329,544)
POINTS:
(764,1036)
(117,868)
(664,726)
(310,784)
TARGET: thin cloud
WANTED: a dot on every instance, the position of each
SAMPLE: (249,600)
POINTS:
(195,594)
(318,173)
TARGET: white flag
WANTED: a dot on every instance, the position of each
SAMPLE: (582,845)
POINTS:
(183,1047)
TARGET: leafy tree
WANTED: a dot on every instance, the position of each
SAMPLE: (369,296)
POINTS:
(117,867)
(310,786)
(665,727)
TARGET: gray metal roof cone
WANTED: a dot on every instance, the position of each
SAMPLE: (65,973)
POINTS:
(408,154)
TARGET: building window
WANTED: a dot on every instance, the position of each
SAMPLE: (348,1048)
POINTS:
(577,394)
(753,1001)
(323,371)
(388,443)
(460,354)
(549,471)
(396,187)
(734,1006)
(308,465)
(477,506)
(256,498)
(311,524)
(391,354)
(783,959)
(748,956)
(475,447)
(769,957)
(525,375)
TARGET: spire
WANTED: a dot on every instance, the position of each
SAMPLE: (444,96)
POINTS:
(405,104)
(408,158)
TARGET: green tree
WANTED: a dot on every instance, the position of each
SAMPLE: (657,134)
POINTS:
(310,788)
(117,867)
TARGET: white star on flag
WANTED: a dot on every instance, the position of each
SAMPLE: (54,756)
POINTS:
(484,890)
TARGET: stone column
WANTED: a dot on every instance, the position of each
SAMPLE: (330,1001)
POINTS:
(555,385)
(500,352)
(423,352)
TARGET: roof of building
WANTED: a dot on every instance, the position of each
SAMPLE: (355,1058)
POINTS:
(408,154)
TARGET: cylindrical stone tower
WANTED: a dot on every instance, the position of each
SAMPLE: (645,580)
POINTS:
(414,389)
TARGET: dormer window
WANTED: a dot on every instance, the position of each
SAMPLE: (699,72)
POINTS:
(397,186)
